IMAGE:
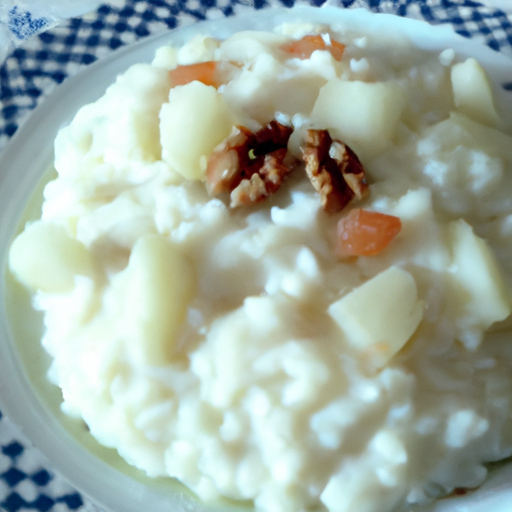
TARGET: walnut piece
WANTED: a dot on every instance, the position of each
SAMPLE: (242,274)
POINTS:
(250,166)
(263,183)
(334,170)
(226,164)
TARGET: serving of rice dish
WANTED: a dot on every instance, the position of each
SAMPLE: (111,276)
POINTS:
(276,267)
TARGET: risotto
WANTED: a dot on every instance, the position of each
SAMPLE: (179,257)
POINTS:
(277,268)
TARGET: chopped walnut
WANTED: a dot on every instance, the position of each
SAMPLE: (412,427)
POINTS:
(249,191)
(226,163)
(250,165)
(351,168)
(263,183)
(275,169)
(334,170)
(272,137)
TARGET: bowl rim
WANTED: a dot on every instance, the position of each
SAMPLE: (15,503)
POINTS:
(100,482)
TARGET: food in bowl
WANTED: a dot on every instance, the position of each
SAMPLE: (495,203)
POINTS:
(275,267)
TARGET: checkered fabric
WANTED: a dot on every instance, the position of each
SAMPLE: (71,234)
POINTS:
(45,60)
(25,481)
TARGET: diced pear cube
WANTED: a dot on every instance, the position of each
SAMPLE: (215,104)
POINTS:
(192,124)
(381,315)
(481,289)
(45,257)
(160,283)
(472,92)
(359,113)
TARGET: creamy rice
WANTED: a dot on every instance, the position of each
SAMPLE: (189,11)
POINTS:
(233,348)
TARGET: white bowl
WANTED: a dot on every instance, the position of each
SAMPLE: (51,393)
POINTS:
(26,397)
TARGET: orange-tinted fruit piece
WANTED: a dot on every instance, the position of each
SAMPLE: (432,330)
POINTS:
(205,72)
(303,48)
(365,233)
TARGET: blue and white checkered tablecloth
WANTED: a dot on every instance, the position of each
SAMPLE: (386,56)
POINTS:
(44,60)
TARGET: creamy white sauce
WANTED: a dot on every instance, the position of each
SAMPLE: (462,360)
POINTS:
(233,373)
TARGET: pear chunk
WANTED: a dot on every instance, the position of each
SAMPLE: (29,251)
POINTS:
(156,289)
(362,114)
(45,257)
(472,92)
(381,315)
(480,289)
(192,124)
